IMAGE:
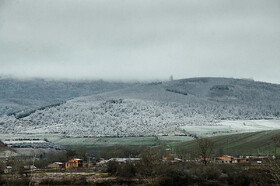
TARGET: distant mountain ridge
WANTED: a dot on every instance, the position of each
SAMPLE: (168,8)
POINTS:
(153,108)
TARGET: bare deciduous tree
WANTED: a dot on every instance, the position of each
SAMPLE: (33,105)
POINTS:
(205,149)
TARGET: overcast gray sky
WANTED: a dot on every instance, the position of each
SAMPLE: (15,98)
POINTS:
(140,39)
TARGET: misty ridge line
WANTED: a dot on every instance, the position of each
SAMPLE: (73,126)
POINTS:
(67,79)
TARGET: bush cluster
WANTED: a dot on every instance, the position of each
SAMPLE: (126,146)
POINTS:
(191,174)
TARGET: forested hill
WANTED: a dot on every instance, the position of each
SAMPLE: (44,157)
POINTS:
(153,108)
(17,95)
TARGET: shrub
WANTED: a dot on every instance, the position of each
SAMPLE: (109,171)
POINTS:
(221,87)
(65,181)
(175,177)
(112,167)
(126,170)
(176,91)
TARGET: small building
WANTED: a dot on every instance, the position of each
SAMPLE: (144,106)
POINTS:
(74,163)
(56,165)
(124,160)
(8,170)
(118,160)
(30,167)
(231,159)
(226,159)
(85,165)
(102,163)
(242,160)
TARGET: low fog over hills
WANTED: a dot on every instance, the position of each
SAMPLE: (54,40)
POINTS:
(144,109)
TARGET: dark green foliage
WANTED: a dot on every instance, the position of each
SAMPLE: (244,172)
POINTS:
(119,182)
(10,181)
(206,173)
(155,83)
(176,91)
(238,179)
(50,158)
(175,177)
(151,162)
(149,165)
(204,148)
(112,167)
(2,181)
(25,113)
(66,181)
(119,151)
(114,101)
(127,170)
(71,154)
(221,87)
(124,170)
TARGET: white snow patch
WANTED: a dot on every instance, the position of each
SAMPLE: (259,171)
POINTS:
(231,127)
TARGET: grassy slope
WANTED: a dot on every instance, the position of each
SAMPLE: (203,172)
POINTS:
(74,143)
(256,143)
(236,144)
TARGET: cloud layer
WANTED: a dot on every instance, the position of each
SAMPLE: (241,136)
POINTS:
(140,39)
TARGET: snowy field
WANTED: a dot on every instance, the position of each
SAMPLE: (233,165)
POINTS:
(12,141)
(232,127)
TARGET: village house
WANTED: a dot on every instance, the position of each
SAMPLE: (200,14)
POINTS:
(231,159)
(85,165)
(56,165)
(102,162)
(8,170)
(117,160)
(30,167)
(226,159)
(242,160)
(124,160)
(259,159)
(171,159)
(74,163)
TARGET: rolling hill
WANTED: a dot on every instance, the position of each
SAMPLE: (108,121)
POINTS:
(159,108)
(253,143)
(27,94)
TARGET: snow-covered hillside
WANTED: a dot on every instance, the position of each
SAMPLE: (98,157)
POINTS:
(17,95)
(155,108)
